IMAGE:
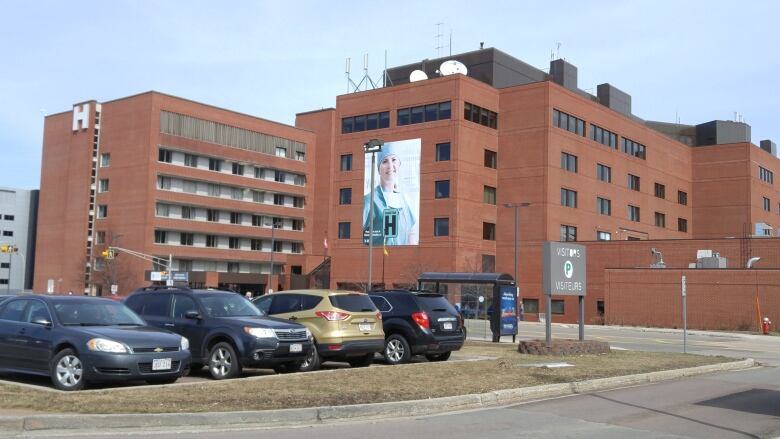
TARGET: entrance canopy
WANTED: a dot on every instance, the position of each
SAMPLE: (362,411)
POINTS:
(466,278)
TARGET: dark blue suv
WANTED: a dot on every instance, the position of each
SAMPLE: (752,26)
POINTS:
(418,323)
(226,331)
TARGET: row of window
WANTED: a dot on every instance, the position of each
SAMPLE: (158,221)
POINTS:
(604,207)
(7,217)
(568,122)
(442,155)
(569,232)
(219,216)
(8,233)
(223,191)
(604,173)
(226,242)
(365,122)
(424,113)
(480,115)
(215,164)
(605,137)
(441,227)
(766,175)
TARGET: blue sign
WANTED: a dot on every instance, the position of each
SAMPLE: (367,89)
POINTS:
(508,310)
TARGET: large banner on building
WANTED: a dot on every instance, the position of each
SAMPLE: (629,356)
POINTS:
(396,202)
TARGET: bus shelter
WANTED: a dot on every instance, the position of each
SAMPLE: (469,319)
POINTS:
(502,294)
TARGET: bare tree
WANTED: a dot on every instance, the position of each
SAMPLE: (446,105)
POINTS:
(114,270)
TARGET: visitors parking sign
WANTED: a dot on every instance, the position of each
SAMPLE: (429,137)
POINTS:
(564,269)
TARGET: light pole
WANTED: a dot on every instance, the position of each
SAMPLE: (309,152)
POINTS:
(273,244)
(372,147)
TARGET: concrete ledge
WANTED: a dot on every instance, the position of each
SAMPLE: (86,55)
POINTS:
(72,424)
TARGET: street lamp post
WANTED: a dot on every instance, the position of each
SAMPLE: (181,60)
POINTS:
(372,147)
(268,288)
(516,207)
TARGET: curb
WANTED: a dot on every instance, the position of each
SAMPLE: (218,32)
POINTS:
(75,424)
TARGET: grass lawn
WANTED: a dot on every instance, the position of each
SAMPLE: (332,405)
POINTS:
(353,386)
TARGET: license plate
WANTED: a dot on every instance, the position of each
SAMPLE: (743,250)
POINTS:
(447,326)
(296,347)
(161,364)
(365,327)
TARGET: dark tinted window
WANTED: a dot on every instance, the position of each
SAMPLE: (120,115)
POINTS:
(182,304)
(13,311)
(96,312)
(154,305)
(284,303)
(37,311)
(381,303)
(309,302)
(353,302)
(434,302)
(263,304)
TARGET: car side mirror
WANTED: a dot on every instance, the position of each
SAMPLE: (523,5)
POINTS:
(42,322)
(194,315)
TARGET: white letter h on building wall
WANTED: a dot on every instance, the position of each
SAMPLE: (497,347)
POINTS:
(80,115)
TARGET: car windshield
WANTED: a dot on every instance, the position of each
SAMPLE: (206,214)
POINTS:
(228,305)
(96,313)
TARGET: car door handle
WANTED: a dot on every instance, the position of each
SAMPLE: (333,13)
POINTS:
(22,331)
(292,318)
(169,324)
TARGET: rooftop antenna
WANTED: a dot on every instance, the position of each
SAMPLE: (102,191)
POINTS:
(558,51)
(366,77)
(438,39)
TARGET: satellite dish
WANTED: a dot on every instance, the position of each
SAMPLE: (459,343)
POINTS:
(453,67)
(417,75)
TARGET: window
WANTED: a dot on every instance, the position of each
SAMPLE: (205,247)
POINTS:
(568,162)
(256,244)
(278,246)
(424,113)
(603,236)
(491,159)
(606,138)
(633,182)
(235,217)
(234,243)
(212,215)
(660,190)
(163,210)
(102,211)
(8,217)
(345,195)
(160,237)
(100,237)
(298,202)
(191,160)
(488,263)
(278,176)
(165,156)
(258,197)
(604,206)
(489,195)
(633,213)
(604,173)
(442,189)
(344,231)
(766,175)
(233,267)
(103,185)
(568,233)
(441,227)
(443,152)
(237,169)
(682,225)
(281,151)
(660,219)
(297,224)
(346,162)
(105,160)
(14,310)
(556,306)
(531,306)
(236,193)
(366,122)
(568,122)
(480,115)
(682,198)
(279,199)
(767,204)
(568,198)
(5,265)
(212,241)
(215,165)
(296,247)
(300,156)
(187,212)
(8,233)
(489,231)
(186,238)
(633,148)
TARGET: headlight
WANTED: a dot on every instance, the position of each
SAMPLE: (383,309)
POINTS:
(260,332)
(185,344)
(308,333)
(103,345)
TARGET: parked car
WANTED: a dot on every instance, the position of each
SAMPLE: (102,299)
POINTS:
(418,323)
(225,330)
(4,297)
(77,340)
(346,325)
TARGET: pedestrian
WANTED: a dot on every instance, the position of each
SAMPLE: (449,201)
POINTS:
(522,310)
(248,295)
(70,293)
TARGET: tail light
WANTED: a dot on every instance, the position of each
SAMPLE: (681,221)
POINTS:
(379,316)
(422,320)
(460,320)
(332,316)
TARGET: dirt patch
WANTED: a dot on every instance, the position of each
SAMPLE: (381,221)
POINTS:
(354,386)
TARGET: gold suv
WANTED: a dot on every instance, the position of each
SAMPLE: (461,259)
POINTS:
(346,325)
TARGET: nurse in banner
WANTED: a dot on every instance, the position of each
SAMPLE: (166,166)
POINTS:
(387,194)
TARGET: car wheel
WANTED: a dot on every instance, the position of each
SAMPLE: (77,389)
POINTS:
(439,357)
(312,361)
(363,361)
(397,349)
(223,361)
(154,381)
(67,370)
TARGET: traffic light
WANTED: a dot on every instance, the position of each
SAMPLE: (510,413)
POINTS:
(107,254)
(4,248)
(8,248)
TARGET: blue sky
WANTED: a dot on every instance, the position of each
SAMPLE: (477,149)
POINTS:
(699,60)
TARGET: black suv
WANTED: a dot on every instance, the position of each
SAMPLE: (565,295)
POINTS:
(225,330)
(418,323)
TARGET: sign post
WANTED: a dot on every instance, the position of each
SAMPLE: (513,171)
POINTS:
(564,274)
(685,314)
